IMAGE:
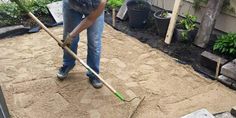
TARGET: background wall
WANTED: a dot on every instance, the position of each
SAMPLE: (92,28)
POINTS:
(225,22)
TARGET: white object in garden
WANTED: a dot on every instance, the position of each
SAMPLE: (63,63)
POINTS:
(203,113)
(122,11)
(55,9)
(4,1)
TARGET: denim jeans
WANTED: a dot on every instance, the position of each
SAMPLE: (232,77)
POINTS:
(94,33)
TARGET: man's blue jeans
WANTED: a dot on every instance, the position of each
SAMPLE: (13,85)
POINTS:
(94,33)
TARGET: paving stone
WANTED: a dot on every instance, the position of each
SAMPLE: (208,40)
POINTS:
(144,56)
(123,76)
(119,63)
(224,115)
(130,93)
(104,60)
(22,100)
(131,84)
(203,113)
(233,111)
(151,62)
(86,99)
(210,60)
(146,69)
(46,106)
(105,91)
(13,31)
(229,70)
(94,114)
(227,81)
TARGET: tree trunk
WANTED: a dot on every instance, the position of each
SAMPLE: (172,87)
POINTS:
(208,22)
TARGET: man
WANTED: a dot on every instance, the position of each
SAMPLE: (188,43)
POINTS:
(73,11)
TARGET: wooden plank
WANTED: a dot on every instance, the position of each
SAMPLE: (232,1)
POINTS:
(173,21)
(208,22)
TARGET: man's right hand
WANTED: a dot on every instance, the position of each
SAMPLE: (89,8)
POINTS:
(67,42)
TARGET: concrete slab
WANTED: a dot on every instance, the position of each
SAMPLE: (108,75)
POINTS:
(229,69)
(233,111)
(94,114)
(203,113)
(224,115)
(55,9)
(227,81)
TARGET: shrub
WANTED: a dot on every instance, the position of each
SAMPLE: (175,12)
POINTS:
(115,3)
(11,14)
(226,44)
(188,24)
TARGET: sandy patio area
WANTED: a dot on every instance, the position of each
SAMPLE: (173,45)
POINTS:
(28,66)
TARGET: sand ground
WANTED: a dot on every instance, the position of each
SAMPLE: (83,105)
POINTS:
(29,64)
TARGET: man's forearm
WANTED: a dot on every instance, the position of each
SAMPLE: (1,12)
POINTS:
(88,21)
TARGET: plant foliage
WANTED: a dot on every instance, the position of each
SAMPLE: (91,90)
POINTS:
(11,13)
(226,44)
(188,24)
(115,3)
(163,14)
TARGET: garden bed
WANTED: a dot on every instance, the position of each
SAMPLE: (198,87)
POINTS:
(185,53)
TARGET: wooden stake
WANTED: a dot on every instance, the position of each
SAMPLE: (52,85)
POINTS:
(113,17)
(173,21)
(218,68)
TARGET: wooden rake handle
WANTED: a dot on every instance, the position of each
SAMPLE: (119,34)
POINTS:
(117,94)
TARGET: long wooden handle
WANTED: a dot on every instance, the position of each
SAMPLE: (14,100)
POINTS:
(117,94)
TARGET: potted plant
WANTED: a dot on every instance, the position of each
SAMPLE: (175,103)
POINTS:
(162,20)
(226,45)
(186,29)
(138,11)
(114,4)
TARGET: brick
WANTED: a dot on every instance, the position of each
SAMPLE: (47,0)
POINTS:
(203,113)
(210,60)
(233,111)
(229,69)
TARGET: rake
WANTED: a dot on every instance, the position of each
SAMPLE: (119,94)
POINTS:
(116,93)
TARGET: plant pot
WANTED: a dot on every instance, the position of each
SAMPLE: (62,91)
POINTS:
(162,23)
(190,35)
(138,12)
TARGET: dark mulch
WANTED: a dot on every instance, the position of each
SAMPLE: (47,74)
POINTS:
(186,53)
